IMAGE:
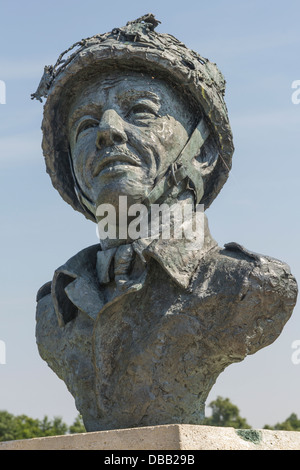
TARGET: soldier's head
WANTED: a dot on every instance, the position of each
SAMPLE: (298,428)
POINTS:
(120,112)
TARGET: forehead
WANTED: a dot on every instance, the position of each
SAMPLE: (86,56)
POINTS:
(121,88)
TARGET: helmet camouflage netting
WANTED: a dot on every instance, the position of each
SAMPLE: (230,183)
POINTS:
(136,46)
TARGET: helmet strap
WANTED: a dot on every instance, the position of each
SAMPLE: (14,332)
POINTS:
(183,167)
(179,170)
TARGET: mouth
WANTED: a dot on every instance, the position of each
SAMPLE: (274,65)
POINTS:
(112,159)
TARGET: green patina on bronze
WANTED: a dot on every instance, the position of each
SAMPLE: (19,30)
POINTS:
(250,435)
(135,47)
(140,330)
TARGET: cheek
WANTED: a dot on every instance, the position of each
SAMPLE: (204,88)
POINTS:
(162,130)
(163,133)
(83,155)
(166,137)
(171,134)
(171,137)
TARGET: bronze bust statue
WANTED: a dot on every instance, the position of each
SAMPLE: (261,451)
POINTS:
(140,329)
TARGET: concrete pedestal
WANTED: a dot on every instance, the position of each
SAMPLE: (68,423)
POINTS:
(167,437)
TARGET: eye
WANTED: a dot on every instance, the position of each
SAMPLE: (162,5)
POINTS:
(142,111)
(86,125)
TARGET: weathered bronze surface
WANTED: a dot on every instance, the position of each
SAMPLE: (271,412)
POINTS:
(139,330)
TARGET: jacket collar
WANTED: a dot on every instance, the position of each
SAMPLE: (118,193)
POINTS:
(76,283)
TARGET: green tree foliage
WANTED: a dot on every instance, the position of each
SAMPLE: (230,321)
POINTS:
(77,426)
(292,423)
(23,427)
(224,413)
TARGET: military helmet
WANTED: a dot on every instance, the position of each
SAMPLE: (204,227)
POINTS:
(136,46)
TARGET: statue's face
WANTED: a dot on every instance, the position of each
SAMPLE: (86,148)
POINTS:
(125,130)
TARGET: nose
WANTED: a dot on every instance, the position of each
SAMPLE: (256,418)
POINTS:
(111,130)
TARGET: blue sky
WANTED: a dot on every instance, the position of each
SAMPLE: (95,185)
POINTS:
(256,45)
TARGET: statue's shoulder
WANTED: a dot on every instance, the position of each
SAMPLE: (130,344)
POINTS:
(258,272)
(232,256)
(45,310)
(233,268)
(241,251)
(44,290)
(261,262)
(247,295)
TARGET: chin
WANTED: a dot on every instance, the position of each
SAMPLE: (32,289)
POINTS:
(134,189)
(112,196)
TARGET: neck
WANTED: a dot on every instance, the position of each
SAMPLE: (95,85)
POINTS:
(157,221)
